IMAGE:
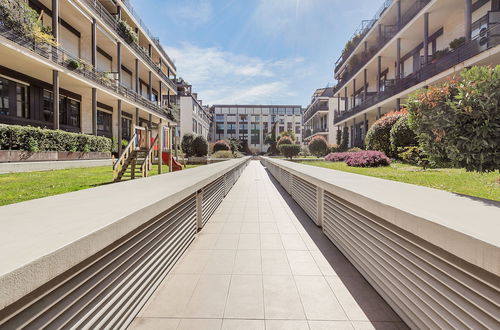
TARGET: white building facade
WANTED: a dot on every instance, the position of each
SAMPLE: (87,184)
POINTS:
(318,116)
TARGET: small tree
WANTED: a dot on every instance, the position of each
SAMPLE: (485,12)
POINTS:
(289,134)
(186,144)
(221,145)
(378,135)
(234,145)
(318,146)
(284,140)
(289,150)
(339,136)
(345,139)
(200,146)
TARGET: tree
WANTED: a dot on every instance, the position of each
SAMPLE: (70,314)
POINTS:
(271,140)
(345,139)
(339,136)
(318,146)
(285,139)
(234,145)
(221,145)
(289,134)
(289,150)
(186,144)
(200,146)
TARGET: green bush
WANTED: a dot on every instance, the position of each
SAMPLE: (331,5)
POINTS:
(36,139)
(378,135)
(289,150)
(187,144)
(284,140)
(318,146)
(200,146)
(127,32)
(459,121)
(339,136)
(414,156)
(345,139)
(223,154)
(221,145)
(401,134)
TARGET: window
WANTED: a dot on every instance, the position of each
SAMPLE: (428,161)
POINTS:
(289,127)
(243,118)
(297,129)
(297,111)
(104,123)
(194,126)
(289,111)
(47,109)
(265,127)
(219,128)
(231,118)
(73,112)
(200,130)
(219,118)
(256,119)
(126,128)
(4,96)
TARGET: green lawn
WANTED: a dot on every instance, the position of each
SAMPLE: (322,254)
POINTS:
(18,187)
(450,179)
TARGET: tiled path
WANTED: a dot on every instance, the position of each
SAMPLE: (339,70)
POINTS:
(261,263)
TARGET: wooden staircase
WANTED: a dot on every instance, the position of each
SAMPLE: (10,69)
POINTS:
(136,160)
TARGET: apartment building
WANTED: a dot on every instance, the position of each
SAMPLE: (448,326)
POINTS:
(408,45)
(250,124)
(106,70)
(194,116)
(318,116)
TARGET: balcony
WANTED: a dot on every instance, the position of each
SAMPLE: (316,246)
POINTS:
(316,107)
(67,61)
(111,21)
(487,39)
(315,131)
(389,33)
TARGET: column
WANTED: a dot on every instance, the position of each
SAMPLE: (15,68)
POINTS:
(120,134)
(398,103)
(346,100)
(398,13)
(94,65)
(366,47)
(365,123)
(118,13)
(380,32)
(468,19)
(379,112)
(338,102)
(136,116)
(55,73)
(137,81)
(426,37)
(160,94)
(379,71)
(353,144)
(354,92)
(119,61)
(168,97)
(150,50)
(365,87)
(398,58)
(150,121)
(150,85)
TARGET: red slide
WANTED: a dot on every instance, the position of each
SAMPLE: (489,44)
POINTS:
(175,164)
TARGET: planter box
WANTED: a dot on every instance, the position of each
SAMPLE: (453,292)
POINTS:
(8,156)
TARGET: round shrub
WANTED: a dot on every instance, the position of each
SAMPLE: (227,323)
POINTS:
(187,144)
(318,146)
(284,140)
(221,145)
(367,158)
(378,135)
(200,146)
(289,150)
(401,135)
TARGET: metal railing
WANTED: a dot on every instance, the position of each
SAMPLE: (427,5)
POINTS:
(108,18)
(77,65)
(360,33)
(319,106)
(389,33)
(487,39)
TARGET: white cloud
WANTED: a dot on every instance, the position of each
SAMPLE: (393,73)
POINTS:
(224,77)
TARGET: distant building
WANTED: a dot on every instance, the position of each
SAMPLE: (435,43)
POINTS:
(251,124)
(408,45)
(194,116)
(318,116)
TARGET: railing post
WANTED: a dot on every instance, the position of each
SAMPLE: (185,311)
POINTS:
(320,195)
(199,208)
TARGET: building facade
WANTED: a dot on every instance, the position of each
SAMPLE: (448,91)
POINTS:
(106,71)
(408,45)
(318,116)
(194,116)
(251,124)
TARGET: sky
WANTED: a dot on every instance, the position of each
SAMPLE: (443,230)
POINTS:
(255,51)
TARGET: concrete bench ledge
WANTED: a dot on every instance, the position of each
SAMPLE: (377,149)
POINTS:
(465,226)
(41,239)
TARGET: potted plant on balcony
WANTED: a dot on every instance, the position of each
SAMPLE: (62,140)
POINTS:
(127,32)
(439,54)
(456,43)
(354,61)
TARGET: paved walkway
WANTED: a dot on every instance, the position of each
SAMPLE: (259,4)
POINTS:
(261,263)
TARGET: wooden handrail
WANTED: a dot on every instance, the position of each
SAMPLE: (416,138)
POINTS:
(124,156)
(146,166)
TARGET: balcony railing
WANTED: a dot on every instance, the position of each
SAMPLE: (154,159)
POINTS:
(320,106)
(389,33)
(487,39)
(64,59)
(360,33)
(106,16)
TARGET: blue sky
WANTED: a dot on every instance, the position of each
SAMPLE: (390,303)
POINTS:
(255,51)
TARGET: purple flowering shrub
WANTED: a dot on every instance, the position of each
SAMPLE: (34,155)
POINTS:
(365,158)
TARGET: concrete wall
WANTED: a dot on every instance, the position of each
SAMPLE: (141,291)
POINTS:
(434,256)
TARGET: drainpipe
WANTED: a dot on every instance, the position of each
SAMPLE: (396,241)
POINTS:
(426,38)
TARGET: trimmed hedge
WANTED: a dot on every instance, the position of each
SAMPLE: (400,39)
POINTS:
(36,139)
(289,150)
(365,158)
(318,146)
